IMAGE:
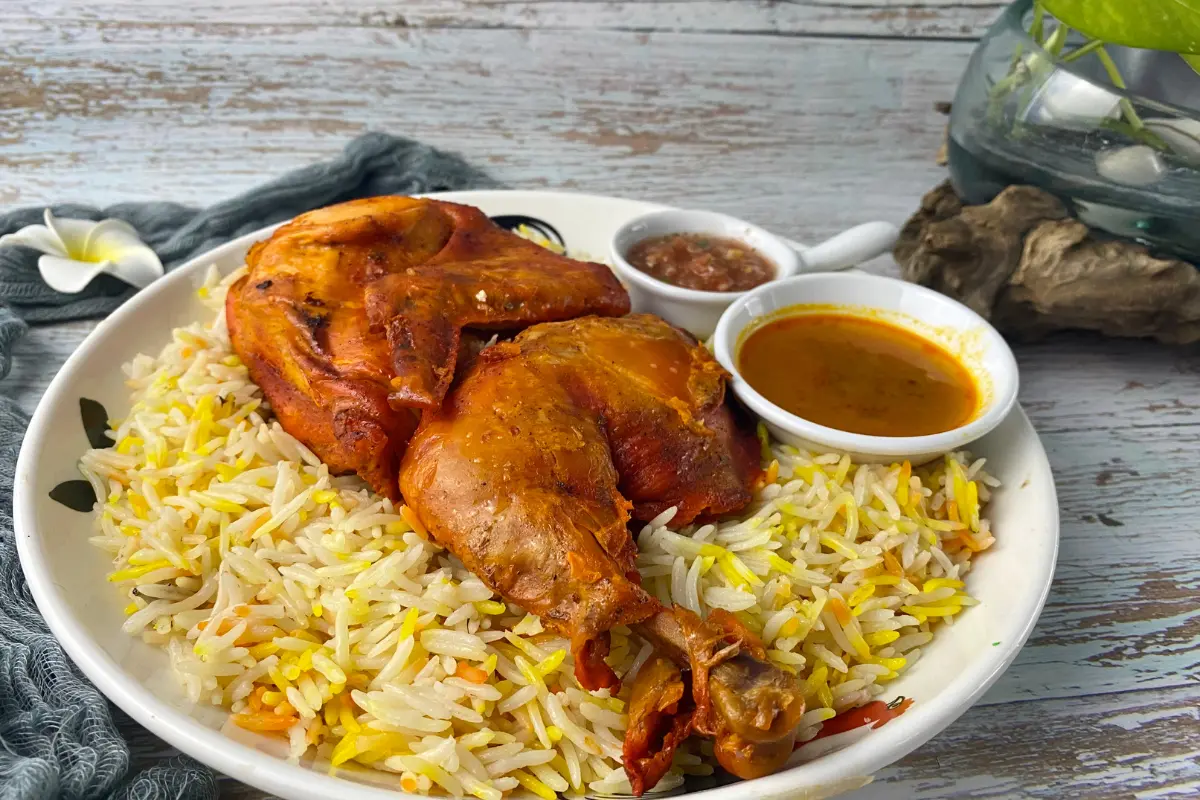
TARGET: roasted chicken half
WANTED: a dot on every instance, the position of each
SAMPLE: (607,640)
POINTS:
(532,469)
(351,317)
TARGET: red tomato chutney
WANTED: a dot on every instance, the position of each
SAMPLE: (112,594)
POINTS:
(703,262)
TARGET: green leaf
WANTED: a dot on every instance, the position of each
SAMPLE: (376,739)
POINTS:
(1192,59)
(1171,25)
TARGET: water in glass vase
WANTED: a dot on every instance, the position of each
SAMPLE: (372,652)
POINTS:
(983,160)
(1049,113)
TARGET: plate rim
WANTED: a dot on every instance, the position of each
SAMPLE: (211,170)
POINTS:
(269,773)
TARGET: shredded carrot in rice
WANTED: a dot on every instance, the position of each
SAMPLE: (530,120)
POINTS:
(839,609)
(968,542)
(265,722)
(471,673)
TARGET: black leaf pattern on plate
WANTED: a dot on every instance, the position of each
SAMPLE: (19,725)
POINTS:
(510,222)
(77,495)
(95,423)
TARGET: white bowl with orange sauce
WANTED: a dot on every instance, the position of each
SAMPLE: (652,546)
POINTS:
(875,367)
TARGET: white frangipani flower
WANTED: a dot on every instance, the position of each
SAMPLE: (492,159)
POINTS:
(77,250)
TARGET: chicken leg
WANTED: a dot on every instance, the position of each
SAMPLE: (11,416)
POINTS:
(532,469)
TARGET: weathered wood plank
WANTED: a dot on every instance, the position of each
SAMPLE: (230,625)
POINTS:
(875,18)
(1084,381)
(1081,650)
(1144,744)
(102,112)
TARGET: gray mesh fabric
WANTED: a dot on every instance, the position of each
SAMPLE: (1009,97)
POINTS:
(57,734)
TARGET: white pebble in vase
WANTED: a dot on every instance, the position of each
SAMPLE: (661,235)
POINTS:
(1139,165)
(1181,135)
(1070,102)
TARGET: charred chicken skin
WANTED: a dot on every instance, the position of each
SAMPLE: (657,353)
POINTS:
(543,451)
(351,317)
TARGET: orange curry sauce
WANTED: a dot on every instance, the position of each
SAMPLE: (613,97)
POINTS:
(858,374)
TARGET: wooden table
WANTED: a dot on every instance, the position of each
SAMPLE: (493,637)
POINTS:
(804,116)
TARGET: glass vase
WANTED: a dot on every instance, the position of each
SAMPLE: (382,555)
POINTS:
(1041,106)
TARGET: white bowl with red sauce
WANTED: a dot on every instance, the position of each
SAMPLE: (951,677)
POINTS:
(875,367)
(693,309)
(709,260)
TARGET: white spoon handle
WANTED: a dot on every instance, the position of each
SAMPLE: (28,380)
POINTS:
(850,247)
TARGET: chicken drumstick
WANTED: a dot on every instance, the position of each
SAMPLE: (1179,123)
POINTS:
(531,471)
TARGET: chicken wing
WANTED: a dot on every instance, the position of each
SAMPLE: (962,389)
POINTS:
(350,317)
(530,473)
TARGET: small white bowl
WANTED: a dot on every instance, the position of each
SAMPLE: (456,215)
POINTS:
(698,311)
(693,310)
(934,316)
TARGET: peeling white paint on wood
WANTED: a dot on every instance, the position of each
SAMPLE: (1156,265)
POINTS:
(1053,749)
(1078,651)
(1135,720)
(1188,789)
(728,105)
(127,112)
(875,18)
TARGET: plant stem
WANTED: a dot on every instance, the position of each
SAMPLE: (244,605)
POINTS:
(1080,52)
(1036,28)
(1110,67)
(1114,75)
(1054,44)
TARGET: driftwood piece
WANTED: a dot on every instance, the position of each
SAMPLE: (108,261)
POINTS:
(1023,263)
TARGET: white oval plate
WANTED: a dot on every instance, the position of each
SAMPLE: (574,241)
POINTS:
(67,575)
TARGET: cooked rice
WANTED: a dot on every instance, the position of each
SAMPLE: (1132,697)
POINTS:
(316,611)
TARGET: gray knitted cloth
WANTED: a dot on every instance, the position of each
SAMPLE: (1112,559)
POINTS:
(57,735)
